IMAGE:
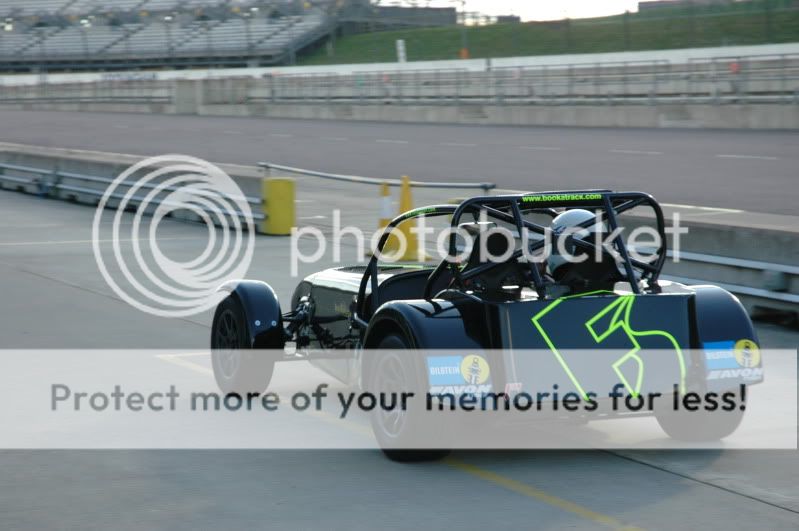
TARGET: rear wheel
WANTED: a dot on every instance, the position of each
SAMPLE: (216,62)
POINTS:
(395,430)
(704,426)
(235,369)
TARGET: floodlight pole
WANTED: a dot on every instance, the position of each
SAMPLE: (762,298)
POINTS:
(168,26)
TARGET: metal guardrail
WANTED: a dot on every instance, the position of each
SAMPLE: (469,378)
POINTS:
(485,187)
(756,78)
(783,272)
(57,182)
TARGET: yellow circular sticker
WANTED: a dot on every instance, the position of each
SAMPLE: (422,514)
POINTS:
(747,353)
(475,370)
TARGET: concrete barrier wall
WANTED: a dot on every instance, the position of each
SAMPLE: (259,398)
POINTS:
(771,116)
(676,115)
(100,165)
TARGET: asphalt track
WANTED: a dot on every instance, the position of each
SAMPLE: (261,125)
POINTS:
(53,297)
(752,171)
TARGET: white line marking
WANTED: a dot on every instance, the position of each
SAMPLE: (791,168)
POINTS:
(314,217)
(233,132)
(34,226)
(709,209)
(121,126)
(305,200)
(710,213)
(335,138)
(177,359)
(281,135)
(456,144)
(635,152)
(384,141)
(540,148)
(754,157)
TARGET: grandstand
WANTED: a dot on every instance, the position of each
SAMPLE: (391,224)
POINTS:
(121,34)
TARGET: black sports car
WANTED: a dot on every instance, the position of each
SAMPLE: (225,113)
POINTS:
(353,321)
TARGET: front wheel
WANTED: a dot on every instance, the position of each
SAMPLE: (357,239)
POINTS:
(235,369)
(394,371)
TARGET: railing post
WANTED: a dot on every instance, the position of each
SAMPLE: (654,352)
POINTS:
(458,86)
(783,79)
(546,95)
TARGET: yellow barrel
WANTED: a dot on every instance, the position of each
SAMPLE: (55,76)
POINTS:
(277,194)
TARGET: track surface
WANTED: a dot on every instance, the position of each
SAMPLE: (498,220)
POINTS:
(748,170)
(54,297)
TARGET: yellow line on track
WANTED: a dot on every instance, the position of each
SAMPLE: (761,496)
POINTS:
(539,495)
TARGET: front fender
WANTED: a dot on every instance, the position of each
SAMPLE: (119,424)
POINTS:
(262,311)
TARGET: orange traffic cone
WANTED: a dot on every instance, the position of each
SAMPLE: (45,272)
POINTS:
(410,253)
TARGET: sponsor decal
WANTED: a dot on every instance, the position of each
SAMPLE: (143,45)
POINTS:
(747,353)
(458,375)
(742,374)
(738,360)
(620,311)
(720,355)
(560,197)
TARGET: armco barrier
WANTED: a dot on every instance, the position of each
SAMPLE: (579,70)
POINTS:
(85,180)
(279,169)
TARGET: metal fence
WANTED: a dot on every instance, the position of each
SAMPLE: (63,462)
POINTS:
(750,79)
(767,78)
(139,91)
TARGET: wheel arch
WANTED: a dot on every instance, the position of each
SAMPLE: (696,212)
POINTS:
(262,311)
(424,324)
(719,314)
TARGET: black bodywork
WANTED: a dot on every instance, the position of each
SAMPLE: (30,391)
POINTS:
(339,314)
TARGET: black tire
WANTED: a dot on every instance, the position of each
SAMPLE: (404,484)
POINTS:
(235,369)
(395,429)
(704,426)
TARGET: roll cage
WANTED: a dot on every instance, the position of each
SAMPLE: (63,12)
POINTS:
(512,209)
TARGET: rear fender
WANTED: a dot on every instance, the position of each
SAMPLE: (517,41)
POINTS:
(726,335)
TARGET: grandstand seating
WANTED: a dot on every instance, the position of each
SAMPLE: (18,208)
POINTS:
(75,33)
